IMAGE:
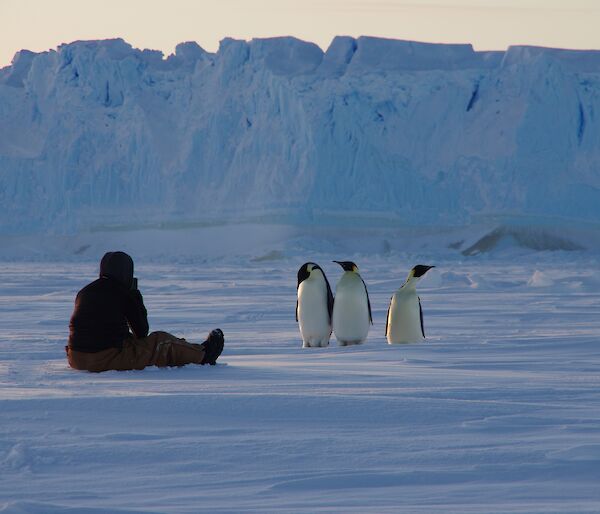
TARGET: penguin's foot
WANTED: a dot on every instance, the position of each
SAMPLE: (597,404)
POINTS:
(315,344)
(349,343)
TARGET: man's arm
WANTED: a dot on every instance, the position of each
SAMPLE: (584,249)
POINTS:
(136,313)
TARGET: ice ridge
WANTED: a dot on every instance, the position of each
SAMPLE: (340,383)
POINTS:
(371,131)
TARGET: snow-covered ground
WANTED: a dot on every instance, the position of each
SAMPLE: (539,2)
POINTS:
(498,411)
(221,174)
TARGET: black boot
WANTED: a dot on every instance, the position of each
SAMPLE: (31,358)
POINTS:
(213,346)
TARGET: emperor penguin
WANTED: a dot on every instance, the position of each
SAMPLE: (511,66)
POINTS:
(352,308)
(405,316)
(314,306)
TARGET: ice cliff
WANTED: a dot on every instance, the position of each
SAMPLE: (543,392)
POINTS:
(99,134)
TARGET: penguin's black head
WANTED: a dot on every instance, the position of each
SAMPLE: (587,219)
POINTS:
(347,265)
(419,270)
(305,270)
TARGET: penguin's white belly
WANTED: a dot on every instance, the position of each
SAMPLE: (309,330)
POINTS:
(313,316)
(404,322)
(351,312)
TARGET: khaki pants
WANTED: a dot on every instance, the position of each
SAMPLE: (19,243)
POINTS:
(157,349)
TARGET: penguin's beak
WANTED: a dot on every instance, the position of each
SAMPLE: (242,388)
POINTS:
(347,265)
(420,270)
(341,264)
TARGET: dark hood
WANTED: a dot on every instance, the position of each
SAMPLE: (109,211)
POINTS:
(119,266)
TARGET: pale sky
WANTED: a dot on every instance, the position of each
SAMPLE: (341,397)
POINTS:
(488,24)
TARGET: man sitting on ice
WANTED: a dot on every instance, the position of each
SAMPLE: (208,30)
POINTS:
(109,327)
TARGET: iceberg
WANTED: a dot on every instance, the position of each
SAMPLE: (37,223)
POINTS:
(372,132)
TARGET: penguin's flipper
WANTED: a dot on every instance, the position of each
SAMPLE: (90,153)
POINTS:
(296,311)
(329,298)
(368,301)
(387,318)
(421,315)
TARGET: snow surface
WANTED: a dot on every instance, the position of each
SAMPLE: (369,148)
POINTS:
(221,174)
(99,135)
(498,411)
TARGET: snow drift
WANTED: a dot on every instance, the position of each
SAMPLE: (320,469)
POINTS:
(99,135)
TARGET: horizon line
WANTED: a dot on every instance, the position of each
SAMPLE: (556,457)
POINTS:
(166,55)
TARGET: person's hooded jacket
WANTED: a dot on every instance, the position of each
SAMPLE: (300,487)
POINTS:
(110,309)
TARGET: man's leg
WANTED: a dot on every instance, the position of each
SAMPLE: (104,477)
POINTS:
(96,362)
(158,349)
